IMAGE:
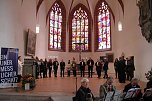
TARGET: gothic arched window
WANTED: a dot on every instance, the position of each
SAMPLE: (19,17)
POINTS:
(102,27)
(57,27)
(80,29)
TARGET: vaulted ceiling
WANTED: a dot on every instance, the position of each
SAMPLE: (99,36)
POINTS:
(69,4)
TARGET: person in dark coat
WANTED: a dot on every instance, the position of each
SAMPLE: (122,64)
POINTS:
(84,93)
(98,65)
(82,68)
(35,63)
(55,67)
(121,70)
(45,69)
(130,68)
(149,84)
(49,65)
(41,67)
(62,67)
(148,91)
(127,68)
(90,64)
(133,84)
(105,68)
(116,67)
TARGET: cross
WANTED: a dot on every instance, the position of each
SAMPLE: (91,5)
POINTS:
(79,49)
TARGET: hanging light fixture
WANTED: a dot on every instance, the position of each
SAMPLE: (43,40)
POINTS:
(119,26)
(37,28)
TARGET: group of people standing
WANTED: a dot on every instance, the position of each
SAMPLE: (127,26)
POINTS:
(73,67)
(45,68)
(124,69)
(99,64)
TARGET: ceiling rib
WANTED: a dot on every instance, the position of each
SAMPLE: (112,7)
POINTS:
(122,5)
(38,6)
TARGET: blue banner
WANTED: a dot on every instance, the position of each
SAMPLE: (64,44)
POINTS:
(8,67)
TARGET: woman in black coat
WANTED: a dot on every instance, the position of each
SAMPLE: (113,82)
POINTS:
(116,67)
(147,96)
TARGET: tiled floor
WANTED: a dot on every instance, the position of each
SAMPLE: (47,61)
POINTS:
(60,88)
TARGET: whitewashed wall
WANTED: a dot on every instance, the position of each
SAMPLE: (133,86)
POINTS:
(131,42)
(15,19)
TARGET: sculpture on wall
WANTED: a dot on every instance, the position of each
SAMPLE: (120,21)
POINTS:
(145,18)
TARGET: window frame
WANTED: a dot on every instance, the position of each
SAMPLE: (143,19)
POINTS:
(63,30)
(96,27)
(89,27)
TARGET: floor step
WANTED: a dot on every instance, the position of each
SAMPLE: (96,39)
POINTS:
(62,98)
(18,97)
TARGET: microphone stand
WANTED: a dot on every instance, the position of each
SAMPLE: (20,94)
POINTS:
(79,58)
(76,84)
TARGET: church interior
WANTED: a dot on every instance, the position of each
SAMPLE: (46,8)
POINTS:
(80,29)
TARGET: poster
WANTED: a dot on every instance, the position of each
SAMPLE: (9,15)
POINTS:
(8,67)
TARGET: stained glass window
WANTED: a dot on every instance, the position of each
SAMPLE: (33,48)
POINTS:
(80,30)
(104,27)
(56,23)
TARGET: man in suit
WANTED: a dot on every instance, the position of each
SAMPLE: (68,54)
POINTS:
(105,68)
(82,68)
(90,64)
(55,66)
(98,65)
(62,67)
(49,65)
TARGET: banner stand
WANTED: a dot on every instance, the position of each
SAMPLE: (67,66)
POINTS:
(8,67)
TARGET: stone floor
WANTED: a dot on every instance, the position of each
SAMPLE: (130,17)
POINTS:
(62,89)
